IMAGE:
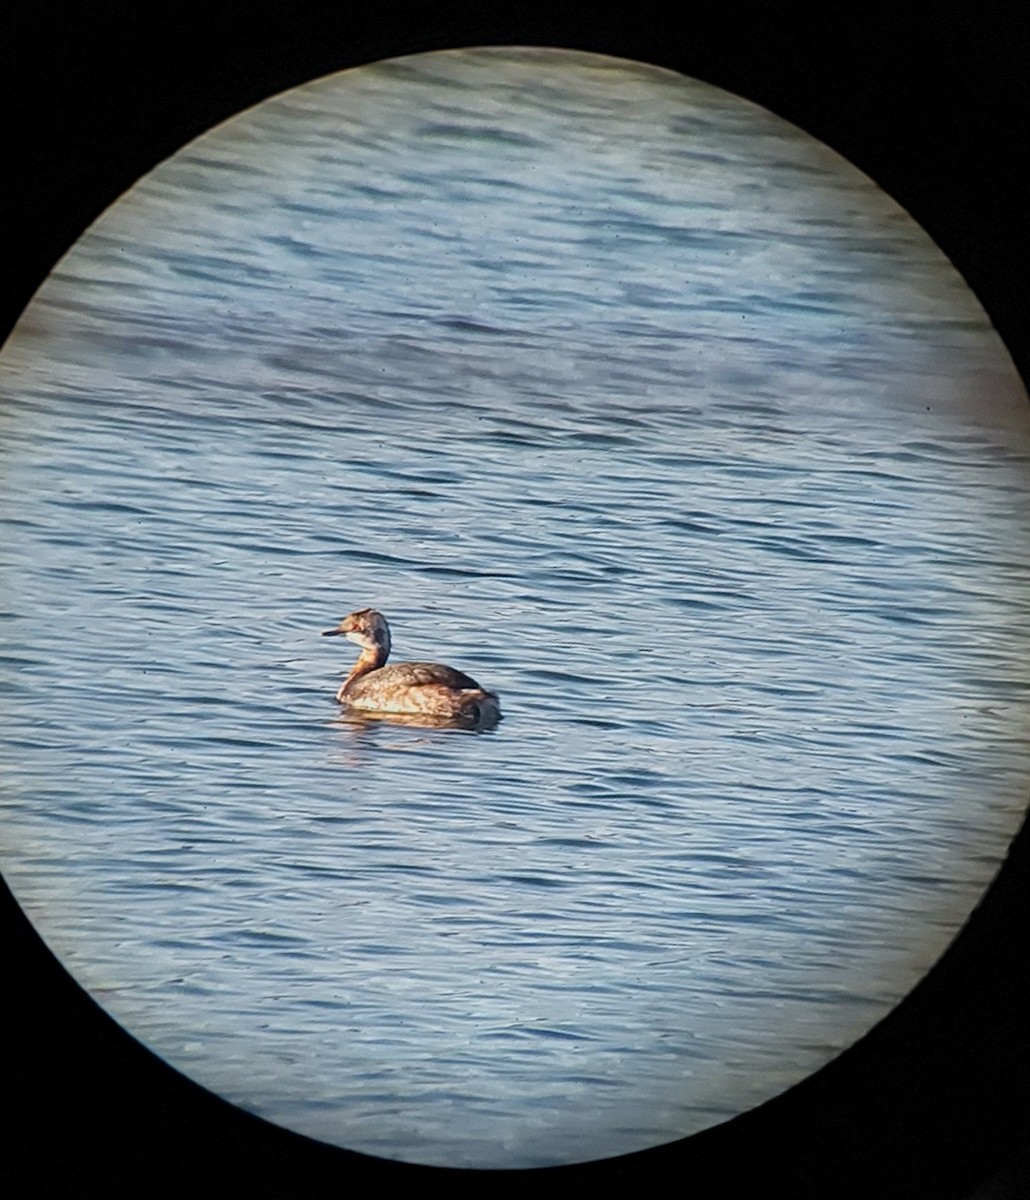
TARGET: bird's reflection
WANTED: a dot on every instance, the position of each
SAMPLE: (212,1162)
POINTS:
(366,721)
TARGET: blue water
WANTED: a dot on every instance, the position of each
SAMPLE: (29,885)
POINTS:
(639,406)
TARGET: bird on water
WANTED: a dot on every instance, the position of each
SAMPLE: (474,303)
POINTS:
(413,688)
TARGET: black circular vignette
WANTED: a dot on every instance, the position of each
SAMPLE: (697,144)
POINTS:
(929,100)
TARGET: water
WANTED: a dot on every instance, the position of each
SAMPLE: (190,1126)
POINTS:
(622,396)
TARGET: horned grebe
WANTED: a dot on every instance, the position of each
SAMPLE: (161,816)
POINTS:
(426,689)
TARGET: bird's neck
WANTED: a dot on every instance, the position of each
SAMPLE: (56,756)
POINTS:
(370,659)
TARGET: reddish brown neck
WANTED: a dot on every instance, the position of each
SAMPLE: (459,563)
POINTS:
(368,660)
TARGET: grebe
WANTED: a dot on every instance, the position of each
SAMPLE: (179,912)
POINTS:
(426,689)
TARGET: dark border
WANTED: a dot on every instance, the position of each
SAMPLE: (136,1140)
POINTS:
(929,99)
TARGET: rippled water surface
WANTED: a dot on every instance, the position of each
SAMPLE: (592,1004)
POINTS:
(634,403)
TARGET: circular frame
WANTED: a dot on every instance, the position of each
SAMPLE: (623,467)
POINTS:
(927,103)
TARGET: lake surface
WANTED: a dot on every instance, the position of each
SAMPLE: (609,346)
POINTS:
(633,402)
